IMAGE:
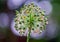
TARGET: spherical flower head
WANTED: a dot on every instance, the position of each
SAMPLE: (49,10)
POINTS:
(32,18)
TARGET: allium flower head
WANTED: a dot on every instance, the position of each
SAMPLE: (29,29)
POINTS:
(30,18)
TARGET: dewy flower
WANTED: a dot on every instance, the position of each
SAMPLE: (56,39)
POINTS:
(30,18)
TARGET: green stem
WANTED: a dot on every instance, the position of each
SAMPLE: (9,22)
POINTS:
(28,37)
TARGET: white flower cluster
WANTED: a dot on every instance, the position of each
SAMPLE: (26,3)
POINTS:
(30,17)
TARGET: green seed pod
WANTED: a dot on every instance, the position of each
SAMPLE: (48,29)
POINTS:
(31,17)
